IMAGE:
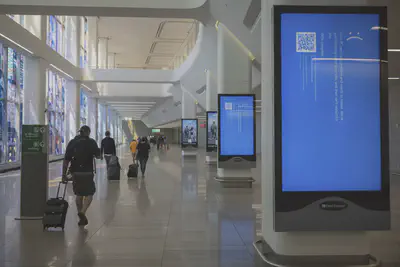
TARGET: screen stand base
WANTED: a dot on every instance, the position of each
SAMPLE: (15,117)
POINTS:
(210,159)
(270,257)
(235,178)
(187,152)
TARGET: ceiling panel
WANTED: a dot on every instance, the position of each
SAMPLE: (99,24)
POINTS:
(174,30)
(135,39)
(159,60)
(165,47)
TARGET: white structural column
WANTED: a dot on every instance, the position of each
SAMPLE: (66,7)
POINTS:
(211,105)
(35,93)
(299,243)
(103,54)
(234,77)
(92,41)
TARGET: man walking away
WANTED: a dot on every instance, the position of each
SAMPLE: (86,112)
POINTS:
(133,147)
(143,150)
(80,154)
(108,148)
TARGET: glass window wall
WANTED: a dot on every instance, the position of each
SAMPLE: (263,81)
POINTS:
(83,60)
(56,34)
(56,112)
(84,108)
(2,103)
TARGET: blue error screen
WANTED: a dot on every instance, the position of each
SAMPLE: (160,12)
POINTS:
(237,125)
(330,98)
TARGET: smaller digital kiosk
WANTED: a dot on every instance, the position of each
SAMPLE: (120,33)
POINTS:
(236,131)
(331,119)
(211,137)
(189,137)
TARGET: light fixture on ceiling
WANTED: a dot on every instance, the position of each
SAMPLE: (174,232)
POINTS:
(17,44)
(394,78)
(60,70)
(394,50)
(86,87)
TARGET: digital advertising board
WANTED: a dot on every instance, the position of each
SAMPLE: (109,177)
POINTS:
(331,119)
(236,131)
(189,133)
(212,131)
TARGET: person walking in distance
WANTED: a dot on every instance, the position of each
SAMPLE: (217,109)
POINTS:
(79,157)
(133,146)
(108,148)
(143,150)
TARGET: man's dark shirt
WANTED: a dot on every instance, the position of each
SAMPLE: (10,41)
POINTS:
(80,152)
(143,150)
(108,146)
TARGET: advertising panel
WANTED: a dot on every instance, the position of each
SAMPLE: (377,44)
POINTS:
(331,112)
(212,131)
(236,135)
(189,132)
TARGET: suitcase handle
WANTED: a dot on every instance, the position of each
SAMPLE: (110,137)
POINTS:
(58,190)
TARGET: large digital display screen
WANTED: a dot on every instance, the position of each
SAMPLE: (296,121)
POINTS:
(189,132)
(330,102)
(212,131)
(236,125)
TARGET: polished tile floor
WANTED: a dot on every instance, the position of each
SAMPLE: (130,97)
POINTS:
(178,216)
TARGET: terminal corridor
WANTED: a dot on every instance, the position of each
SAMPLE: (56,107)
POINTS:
(175,217)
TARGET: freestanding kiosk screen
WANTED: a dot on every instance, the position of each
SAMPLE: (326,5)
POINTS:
(189,132)
(236,125)
(331,100)
(212,130)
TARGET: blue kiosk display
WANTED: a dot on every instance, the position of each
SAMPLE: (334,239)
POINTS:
(189,133)
(212,131)
(236,131)
(331,119)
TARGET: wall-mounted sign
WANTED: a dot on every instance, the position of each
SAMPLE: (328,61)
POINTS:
(155,130)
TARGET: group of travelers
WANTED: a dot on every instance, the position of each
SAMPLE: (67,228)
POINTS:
(79,165)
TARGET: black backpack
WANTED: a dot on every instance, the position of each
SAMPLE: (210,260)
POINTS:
(82,154)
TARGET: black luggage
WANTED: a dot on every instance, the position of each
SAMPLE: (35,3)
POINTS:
(114,169)
(56,210)
(133,170)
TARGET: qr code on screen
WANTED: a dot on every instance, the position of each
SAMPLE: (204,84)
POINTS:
(306,42)
(228,106)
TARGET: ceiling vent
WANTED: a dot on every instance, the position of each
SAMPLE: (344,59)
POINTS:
(178,103)
(252,15)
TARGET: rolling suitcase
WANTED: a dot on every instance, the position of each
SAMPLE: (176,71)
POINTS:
(133,170)
(114,169)
(56,210)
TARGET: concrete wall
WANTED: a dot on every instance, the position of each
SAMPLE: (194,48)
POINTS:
(141,128)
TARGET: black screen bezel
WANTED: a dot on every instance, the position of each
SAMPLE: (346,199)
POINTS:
(228,157)
(183,145)
(373,200)
(210,148)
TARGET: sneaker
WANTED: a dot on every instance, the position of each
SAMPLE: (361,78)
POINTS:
(82,219)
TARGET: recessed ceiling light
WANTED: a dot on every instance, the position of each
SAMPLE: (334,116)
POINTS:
(394,78)
(394,50)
